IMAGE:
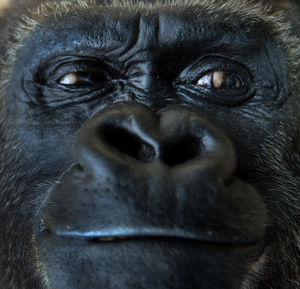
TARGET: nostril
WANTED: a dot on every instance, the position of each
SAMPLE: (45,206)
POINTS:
(182,151)
(128,143)
(133,145)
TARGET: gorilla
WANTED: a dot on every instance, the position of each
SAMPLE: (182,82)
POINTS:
(150,144)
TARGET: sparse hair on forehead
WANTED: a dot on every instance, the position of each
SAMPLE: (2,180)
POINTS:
(250,11)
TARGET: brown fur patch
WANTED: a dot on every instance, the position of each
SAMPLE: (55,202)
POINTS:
(3,5)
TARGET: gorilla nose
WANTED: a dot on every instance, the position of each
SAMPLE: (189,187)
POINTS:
(130,137)
(144,174)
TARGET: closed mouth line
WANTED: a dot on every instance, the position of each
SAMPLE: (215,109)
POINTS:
(119,234)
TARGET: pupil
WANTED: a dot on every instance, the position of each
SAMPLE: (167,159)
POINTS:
(86,78)
(232,81)
(89,78)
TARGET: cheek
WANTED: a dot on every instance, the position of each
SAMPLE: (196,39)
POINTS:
(245,128)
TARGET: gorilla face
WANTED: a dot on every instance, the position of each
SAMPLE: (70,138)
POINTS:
(149,146)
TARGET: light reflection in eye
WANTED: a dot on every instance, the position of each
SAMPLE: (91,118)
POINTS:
(70,79)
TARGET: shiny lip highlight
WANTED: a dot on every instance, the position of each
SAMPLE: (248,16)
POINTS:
(118,233)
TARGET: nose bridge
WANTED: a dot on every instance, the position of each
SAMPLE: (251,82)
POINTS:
(141,56)
(130,137)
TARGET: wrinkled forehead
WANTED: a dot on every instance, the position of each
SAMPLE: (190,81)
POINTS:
(169,14)
(163,15)
(164,25)
(144,28)
(185,17)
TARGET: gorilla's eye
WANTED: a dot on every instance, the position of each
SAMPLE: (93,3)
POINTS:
(82,78)
(219,80)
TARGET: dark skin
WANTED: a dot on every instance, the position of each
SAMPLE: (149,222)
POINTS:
(150,149)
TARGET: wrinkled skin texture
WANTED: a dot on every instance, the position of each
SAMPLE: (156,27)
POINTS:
(150,146)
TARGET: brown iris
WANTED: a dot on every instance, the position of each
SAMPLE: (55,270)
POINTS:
(219,80)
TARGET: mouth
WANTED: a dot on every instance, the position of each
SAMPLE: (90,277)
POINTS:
(116,234)
(137,254)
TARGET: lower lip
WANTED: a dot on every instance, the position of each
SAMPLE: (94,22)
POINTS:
(137,259)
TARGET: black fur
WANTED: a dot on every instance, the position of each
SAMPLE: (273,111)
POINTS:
(49,185)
